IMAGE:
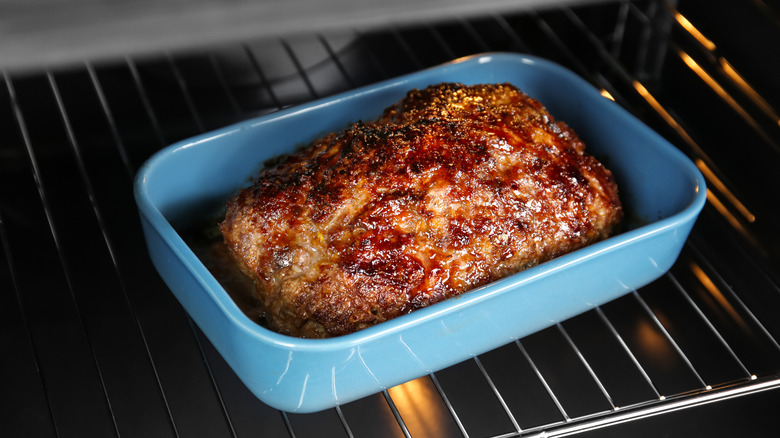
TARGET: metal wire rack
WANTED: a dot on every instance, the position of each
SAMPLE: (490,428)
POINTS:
(95,345)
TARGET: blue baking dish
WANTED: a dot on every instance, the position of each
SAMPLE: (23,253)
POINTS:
(661,189)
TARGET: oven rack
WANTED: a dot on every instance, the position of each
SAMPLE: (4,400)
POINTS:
(95,345)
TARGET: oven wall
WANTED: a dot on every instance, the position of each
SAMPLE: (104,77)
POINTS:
(42,33)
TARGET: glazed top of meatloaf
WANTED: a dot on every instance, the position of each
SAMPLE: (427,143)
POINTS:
(451,188)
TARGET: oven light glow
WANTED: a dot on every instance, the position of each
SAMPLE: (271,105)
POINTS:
(720,91)
(732,73)
(664,114)
(655,344)
(708,174)
(716,293)
(717,183)
(418,402)
(715,202)
(709,45)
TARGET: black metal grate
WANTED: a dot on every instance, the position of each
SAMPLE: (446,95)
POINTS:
(95,345)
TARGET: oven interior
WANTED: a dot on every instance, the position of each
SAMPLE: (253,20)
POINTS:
(95,345)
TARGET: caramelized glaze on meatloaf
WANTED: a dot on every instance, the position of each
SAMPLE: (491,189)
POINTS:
(453,187)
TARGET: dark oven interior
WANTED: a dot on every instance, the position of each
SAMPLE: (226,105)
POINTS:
(94,344)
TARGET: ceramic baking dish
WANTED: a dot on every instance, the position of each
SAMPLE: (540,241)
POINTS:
(661,189)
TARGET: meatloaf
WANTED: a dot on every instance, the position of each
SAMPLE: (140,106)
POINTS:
(451,188)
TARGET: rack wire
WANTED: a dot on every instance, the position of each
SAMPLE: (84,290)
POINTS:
(92,329)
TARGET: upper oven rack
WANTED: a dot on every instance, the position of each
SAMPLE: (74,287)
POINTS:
(98,343)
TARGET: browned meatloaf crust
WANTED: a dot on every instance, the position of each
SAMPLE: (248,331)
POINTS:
(453,187)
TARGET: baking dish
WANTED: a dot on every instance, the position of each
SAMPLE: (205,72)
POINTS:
(661,189)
